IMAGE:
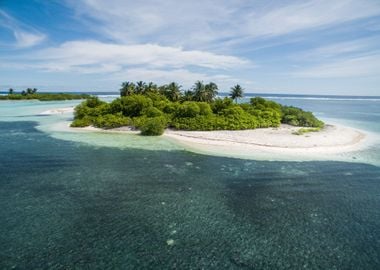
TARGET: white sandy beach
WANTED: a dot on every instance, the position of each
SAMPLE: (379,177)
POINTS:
(334,142)
(331,140)
(274,143)
(334,138)
(281,141)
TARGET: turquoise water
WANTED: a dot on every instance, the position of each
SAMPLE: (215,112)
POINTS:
(72,201)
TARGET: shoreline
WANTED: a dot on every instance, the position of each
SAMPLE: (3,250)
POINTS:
(58,111)
(275,138)
(319,147)
(333,139)
(334,142)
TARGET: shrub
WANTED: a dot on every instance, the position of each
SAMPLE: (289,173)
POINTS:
(188,109)
(93,102)
(302,131)
(153,126)
(171,107)
(109,121)
(215,122)
(298,117)
(44,96)
(204,108)
(134,105)
(152,112)
(116,106)
(220,104)
(233,111)
(261,104)
(82,122)
(81,111)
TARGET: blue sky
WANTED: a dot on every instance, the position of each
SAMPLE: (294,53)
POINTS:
(303,47)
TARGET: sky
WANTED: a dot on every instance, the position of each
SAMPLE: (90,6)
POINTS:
(296,47)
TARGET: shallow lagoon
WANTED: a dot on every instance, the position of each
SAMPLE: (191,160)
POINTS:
(69,204)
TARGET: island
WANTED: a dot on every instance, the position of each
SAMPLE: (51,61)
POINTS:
(32,94)
(151,109)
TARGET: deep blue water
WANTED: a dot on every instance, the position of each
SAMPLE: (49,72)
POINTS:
(70,205)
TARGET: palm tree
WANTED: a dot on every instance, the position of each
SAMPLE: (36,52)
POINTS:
(34,90)
(10,91)
(188,95)
(29,91)
(211,91)
(140,87)
(173,91)
(150,87)
(127,89)
(204,92)
(236,92)
(199,91)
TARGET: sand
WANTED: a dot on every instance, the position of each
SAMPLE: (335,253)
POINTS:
(334,142)
(58,111)
(331,138)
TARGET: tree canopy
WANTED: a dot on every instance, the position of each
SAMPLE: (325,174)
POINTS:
(236,92)
(31,93)
(153,108)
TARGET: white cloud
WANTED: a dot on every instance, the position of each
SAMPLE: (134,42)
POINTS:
(25,36)
(116,62)
(310,15)
(354,67)
(98,57)
(25,39)
(165,22)
(340,49)
(211,23)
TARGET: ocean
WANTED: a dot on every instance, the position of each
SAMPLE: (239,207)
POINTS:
(89,200)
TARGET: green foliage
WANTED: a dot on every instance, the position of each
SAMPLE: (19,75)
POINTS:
(236,92)
(134,105)
(154,126)
(204,108)
(152,112)
(267,113)
(81,111)
(127,89)
(298,117)
(302,131)
(109,121)
(188,95)
(220,104)
(172,91)
(204,92)
(188,109)
(93,102)
(215,122)
(81,122)
(234,111)
(151,109)
(24,95)
(262,104)
(171,107)
(92,107)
